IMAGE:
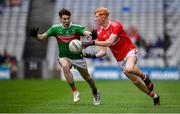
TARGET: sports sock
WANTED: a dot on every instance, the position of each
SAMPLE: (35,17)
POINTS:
(94,91)
(73,87)
(152,94)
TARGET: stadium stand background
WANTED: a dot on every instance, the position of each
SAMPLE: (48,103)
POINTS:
(150,17)
(156,21)
(13,20)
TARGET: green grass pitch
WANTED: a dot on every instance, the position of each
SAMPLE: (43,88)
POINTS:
(55,96)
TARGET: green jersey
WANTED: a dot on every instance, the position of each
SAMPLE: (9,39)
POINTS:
(64,36)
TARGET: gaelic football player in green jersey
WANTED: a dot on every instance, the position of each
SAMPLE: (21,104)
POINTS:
(64,32)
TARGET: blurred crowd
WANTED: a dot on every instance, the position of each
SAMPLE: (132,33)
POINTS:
(161,42)
(11,3)
(7,60)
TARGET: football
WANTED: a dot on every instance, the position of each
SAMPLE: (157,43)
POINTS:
(75,46)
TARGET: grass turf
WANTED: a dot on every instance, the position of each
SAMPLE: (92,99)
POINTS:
(55,96)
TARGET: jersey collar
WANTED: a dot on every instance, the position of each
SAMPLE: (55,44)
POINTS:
(108,25)
(66,27)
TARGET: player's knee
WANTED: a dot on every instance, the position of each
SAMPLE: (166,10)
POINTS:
(128,69)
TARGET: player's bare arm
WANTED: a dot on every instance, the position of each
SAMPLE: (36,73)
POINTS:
(112,39)
(87,33)
(91,34)
(42,36)
(102,52)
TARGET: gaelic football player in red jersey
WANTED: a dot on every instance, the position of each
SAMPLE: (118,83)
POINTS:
(111,34)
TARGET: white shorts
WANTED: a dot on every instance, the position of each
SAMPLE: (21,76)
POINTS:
(80,63)
(133,53)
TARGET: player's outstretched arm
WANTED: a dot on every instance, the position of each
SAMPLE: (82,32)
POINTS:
(87,33)
(34,34)
(101,53)
(112,39)
(42,36)
(92,34)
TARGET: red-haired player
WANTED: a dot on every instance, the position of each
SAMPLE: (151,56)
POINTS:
(111,34)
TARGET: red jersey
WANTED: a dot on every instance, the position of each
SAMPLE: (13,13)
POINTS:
(120,47)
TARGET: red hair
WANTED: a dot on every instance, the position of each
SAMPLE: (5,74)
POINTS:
(102,11)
